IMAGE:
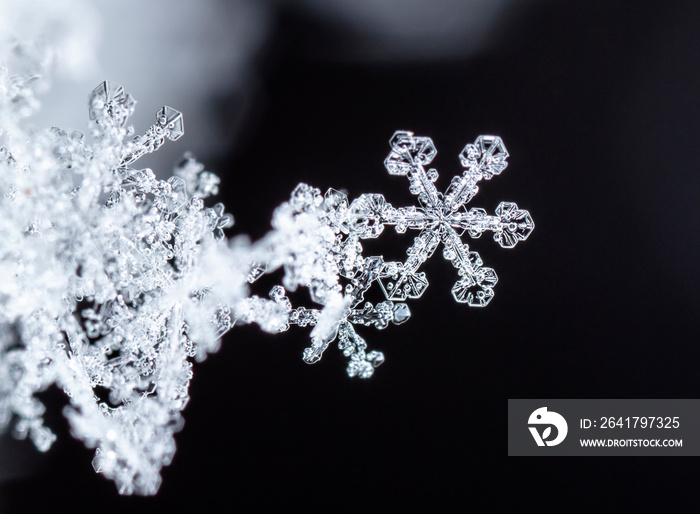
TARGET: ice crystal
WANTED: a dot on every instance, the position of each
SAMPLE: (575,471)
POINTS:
(114,280)
(442,218)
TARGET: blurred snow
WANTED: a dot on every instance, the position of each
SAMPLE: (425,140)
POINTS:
(409,30)
(179,53)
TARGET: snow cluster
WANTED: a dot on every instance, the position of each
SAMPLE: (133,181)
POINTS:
(112,281)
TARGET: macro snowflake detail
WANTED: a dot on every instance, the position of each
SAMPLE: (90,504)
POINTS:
(114,280)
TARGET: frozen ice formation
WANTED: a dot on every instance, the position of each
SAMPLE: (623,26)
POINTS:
(114,280)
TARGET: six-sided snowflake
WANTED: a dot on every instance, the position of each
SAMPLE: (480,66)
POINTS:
(441,218)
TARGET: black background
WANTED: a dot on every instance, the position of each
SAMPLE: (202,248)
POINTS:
(597,105)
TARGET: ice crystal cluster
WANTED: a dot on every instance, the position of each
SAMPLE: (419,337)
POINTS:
(113,281)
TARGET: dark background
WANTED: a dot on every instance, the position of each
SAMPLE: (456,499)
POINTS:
(597,104)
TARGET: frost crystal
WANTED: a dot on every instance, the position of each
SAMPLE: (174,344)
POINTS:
(113,280)
(441,218)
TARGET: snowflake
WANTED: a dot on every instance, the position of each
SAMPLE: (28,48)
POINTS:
(442,218)
(115,280)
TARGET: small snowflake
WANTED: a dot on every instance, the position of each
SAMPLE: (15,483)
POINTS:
(442,218)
